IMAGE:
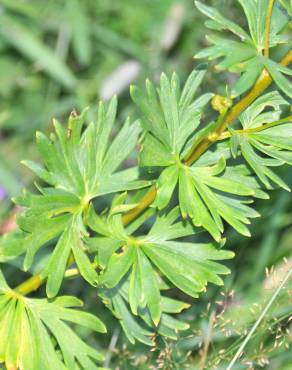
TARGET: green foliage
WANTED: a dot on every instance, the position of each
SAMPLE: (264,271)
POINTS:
(140,254)
(246,56)
(141,327)
(272,141)
(78,166)
(11,245)
(206,191)
(134,253)
(170,118)
(27,325)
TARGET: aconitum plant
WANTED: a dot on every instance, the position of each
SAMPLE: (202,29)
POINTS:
(165,225)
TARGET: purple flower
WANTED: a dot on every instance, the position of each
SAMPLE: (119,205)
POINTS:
(2,193)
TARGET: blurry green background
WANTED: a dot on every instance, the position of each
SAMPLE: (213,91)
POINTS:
(60,55)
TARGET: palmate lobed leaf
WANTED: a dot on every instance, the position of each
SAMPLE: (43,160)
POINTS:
(246,56)
(273,142)
(206,194)
(170,117)
(140,327)
(209,194)
(189,266)
(34,334)
(82,163)
(78,166)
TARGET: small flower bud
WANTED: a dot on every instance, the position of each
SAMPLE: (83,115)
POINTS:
(221,103)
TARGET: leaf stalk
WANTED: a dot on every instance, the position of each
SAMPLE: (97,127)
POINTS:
(268,28)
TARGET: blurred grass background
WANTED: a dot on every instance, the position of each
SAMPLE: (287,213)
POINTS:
(63,54)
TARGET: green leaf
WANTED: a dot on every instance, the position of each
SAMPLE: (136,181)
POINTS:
(198,188)
(119,264)
(245,56)
(277,137)
(141,327)
(170,117)
(26,325)
(123,145)
(190,88)
(254,117)
(133,330)
(233,52)
(58,261)
(191,205)
(261,165)
(200,200)
(79,22)
(11,246)
(255,12)
(154,153)
(253,68)
(70,240)
(84,163)
(30,46)
(40,230)
(167,227)
(277,72)
(274,142)
(138,257)
(177,261)
(224,23)
(143,288)
(168,100)
(83,262)
(166,184)
(79,165)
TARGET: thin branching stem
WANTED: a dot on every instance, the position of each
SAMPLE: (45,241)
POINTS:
(268,28)
(207,341)
(261,317)
(34,282)
(227,134)
(235,345)
(30,285)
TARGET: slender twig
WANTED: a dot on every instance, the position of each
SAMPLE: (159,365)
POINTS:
(266,309)
(268,28)
(30,285)
(34,282)
(207,340)
(143,204)
(227,134)
(112,346)
(235,343)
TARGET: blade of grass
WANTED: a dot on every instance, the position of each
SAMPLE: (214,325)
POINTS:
(262,315)
(79,22)
(113,40)
(35,50)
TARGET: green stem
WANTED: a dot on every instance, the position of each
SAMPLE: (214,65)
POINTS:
(269,125)
(268,28)
(33,283)
(30,285)
(227,135)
